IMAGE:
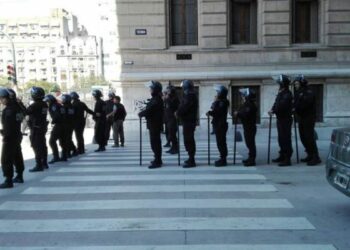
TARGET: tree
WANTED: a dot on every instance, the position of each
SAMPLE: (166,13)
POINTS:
(5,83)
(87,82)
(47,86)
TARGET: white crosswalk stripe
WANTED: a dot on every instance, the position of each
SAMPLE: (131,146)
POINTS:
(107,193)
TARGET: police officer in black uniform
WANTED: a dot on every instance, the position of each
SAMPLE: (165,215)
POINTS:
(19,162)
(38,123)
(70,120)
(282,108)
(79,125)
(187,112)
(57,113)
(247,114)
(100,121)
(305,109)
(219,111)
(11,119)
(109,109)
(171,104)
(154,116)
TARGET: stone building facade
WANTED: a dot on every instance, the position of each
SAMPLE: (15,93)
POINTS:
(236,43)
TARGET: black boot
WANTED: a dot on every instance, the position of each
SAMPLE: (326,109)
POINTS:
(37,168)
(249,163)
(167,145)
(18,178)
(278,159)
(173,151)
(221,162)
(190,163)
(314,161)
(54,160)
(306,159)
(285,163)
(155,164)
(7,184)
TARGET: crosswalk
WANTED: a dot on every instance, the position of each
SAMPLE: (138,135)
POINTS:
(107,201)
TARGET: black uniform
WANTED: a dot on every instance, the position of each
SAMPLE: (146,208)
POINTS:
(79,125)
(37,123)
(11,119)
(100,123)
(187,112)
(305,108)
(247,114)
(171,104)
(283,109)
(109,121)
(58,113)
(154,116)
(70,121)
(219,113)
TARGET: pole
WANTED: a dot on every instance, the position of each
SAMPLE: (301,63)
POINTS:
(235,142)
(269,140)
(208,140)
(178,143)
(295,126)
(13,57)
(140,141)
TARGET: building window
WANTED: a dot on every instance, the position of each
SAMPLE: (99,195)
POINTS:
(237,100)
(183,22)
(305,21)
(243,21)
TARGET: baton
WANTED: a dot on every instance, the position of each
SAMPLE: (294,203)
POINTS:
(178,143)
(208,140)
(140,141)
(269,140)
(235,142)
(296,137)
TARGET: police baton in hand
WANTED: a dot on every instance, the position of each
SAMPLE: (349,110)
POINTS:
(140,141)
(235,141)
(295,123)
(269,139)
(178,142)
(208,139)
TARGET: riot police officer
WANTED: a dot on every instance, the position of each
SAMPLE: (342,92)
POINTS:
(219,113)
(187,112)
(154,116)
(57,113)
(38,123)
(100,121)
(171,104)
(11,119)
(109,109)
(282,108)
(305,109)
(247,114)
(18,161)
(79,125)
(70,120)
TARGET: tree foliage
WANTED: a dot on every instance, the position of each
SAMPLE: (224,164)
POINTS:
(88,82)
(47,86)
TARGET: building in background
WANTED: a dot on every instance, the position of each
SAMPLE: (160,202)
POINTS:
(237,43)
(48,46)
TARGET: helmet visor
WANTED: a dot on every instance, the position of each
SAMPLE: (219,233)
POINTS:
(244,92)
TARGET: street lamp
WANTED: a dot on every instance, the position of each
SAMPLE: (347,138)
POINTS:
(13,56)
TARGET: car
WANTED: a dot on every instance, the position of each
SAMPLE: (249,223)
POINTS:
(338,161)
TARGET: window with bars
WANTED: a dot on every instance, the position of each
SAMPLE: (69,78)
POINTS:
(183,22)
(243,21)
(305,21)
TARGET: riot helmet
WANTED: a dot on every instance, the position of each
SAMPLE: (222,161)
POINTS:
(74,95)
(187,86)
(37,93)
(282,80)
(156,87)
(50,99)
(66,99)
(97,93)
(4,93)
(221,90)
(302,80)
(247,93)
(12,94)
(111,95)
